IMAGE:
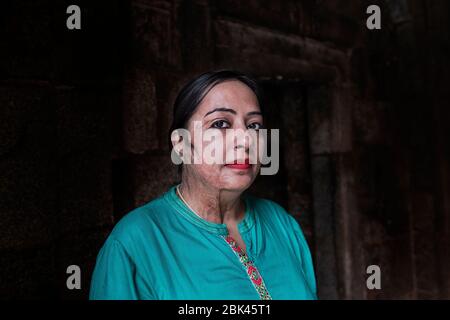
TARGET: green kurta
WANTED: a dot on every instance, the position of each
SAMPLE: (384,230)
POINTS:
(162,250)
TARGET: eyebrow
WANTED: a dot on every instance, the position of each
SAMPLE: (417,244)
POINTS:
(254,113)
(231,111)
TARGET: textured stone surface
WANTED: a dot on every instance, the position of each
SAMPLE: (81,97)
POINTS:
(84,192)
(319,119)
(154,36)
(28,273)
(261,47)
(309,18)
(81,249)
(322,173)
(27,42)
(90,56)
(27,168)
(84,119)
(364,153)
(140,113)
(152,175)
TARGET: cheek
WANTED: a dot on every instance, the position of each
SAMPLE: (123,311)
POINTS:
(259,149)
(214,145)
(207,173)
(209,147)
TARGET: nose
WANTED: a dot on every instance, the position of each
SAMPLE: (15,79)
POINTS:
(243,137)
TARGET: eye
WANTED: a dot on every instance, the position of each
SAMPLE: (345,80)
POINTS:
(255,126)
(220,124)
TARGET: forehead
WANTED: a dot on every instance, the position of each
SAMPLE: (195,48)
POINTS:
(231,94)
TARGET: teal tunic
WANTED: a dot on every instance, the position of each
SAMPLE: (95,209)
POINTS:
(163,250)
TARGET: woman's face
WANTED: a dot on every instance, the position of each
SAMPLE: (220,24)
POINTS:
(228,105)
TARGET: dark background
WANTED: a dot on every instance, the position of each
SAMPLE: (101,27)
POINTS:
(85,115)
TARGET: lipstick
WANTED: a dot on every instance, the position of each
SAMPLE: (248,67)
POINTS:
(241,166)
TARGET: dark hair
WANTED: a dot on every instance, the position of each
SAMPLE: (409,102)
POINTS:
(192,94)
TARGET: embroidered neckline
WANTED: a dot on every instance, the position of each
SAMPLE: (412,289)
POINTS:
(218,228)
(250,268)
(221,229)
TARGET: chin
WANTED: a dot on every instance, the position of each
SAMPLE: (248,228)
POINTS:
(239,183)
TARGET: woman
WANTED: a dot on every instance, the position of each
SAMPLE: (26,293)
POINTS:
(204,238)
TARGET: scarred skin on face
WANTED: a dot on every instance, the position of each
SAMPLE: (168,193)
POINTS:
(214,190)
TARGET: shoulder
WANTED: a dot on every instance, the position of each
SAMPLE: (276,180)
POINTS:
(270,210)
(137,223)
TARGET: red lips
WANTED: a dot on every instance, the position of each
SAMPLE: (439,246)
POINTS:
(241,166)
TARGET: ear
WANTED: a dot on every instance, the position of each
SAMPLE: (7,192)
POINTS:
(177,141)
(176,153)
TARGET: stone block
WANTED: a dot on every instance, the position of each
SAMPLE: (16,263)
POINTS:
(27,168)
(154,35)
(81,249)
(28,273)
(27,39)
(84,192)
(140,116)
(152,175)
(84,120)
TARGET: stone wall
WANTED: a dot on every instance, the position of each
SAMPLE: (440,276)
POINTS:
(85,117)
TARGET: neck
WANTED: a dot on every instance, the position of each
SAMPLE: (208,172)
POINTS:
(212,204)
